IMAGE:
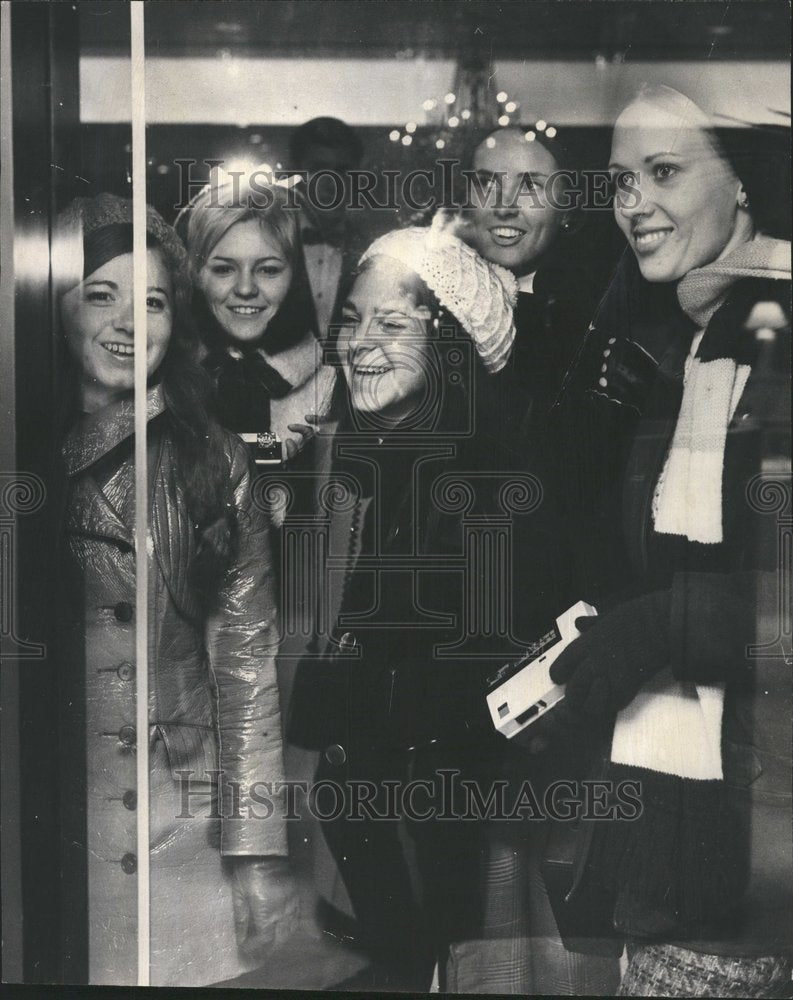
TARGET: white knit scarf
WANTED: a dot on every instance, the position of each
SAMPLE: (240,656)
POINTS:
(688,500)
(671,726)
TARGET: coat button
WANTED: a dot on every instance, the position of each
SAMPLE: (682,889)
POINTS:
(335,754)
(130,799)
(128,735)
(129,864)
(125,671)
(123,611)
(347,642)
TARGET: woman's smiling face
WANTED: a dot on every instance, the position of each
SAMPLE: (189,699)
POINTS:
(513,221)
(677,197)
(245,279)
(383,342)
(97,323)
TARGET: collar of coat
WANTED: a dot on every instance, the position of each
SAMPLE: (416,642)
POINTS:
(100,432)
(296,364)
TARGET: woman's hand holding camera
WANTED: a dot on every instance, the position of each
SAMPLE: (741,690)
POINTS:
(615,655)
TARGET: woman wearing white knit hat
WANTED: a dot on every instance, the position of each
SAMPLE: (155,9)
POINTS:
(396,691)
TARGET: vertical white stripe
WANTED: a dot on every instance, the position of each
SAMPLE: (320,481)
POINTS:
(138,100)
(10,844)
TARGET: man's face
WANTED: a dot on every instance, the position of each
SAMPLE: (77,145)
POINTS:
(328,179)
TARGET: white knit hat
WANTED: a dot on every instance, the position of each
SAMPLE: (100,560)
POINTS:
(480,295)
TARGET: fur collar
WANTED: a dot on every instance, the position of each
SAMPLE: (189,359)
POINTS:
(299,363)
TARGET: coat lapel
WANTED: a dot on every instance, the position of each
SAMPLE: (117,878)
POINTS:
(90,513)
(90,440)
(172,531)
(97,434)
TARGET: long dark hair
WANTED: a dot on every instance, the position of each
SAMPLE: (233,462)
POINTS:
(202,462)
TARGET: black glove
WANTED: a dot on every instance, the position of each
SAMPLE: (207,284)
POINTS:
(615,655)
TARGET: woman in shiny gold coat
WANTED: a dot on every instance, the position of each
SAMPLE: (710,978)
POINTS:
(220,890)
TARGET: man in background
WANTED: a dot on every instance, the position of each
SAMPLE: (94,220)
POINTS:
(327,149)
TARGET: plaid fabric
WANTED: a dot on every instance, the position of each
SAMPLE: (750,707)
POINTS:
(520,951)
(662,970)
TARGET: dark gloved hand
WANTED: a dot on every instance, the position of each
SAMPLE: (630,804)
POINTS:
(266,904)
(615,655)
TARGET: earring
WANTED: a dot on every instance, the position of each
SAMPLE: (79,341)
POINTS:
(743,200)
(565,224)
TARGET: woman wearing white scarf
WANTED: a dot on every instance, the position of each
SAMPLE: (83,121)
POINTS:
(700,883)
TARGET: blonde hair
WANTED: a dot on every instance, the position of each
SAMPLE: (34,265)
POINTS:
(691,115)
(216,210)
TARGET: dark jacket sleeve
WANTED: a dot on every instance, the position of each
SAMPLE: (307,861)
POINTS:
(242,640)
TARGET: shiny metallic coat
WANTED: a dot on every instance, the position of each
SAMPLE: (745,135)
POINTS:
(213,705)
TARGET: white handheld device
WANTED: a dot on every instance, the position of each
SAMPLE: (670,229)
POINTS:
(522,692)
